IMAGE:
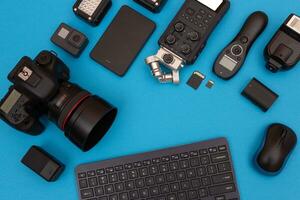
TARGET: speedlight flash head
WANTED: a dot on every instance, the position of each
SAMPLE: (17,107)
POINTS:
(92,11)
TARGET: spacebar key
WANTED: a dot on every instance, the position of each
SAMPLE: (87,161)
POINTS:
(221,189)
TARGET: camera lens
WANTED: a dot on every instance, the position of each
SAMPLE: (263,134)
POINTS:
(84,118)
(76,38)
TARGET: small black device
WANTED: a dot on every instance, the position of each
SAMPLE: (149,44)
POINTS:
(283,51)
(152,5)
(196,79)
(40,87)
(43,164)
(70,39)
(231,59)
(260,94)
(92,11)
(279,142)
(202,170)
(123,40)
(186,36)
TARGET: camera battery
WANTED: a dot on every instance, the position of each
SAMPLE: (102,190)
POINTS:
(260,94)
(70,39)
(43,164)
(152,5)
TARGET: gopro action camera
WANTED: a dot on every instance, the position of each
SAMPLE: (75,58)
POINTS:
(40,87)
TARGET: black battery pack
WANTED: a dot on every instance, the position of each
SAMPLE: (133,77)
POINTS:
(43,164)
(260,94)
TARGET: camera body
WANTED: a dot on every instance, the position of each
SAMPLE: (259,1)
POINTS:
(41,86)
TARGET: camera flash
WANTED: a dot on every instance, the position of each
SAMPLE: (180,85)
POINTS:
(92,11)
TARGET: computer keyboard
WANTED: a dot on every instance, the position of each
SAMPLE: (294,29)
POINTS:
(201,171)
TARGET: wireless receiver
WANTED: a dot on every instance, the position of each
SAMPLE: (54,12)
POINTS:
(231,59)
(186,36)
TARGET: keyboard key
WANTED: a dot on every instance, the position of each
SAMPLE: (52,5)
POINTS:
(103,180)
(160,179)
(132,174)
(99,191)
(185,185)
(163,168)
(174,187)
(154,191)
(180,175)
(140,183)
(201,171)
(184,155)
(137,164)
(109,170)
(212,149)
(164,189)
(113,197)
(203,151)
(134,194)
(87,193)
(204,160)
(113,178)
(83,183)
(109,189)
(100,171)
(211,169)
(82,175)
(123,176)
(119,187)
(102,198)
(93,182)
(222,178)
(149,181)
(182,196)
(193,153)
(128,166)
(193,194)
(175,157)
(170,177)
(222,189)
(119,168)
(153,170)
(202,192)
(174,166)
(144,193)
(219,157)
(165,159)
(220,198)
(91,173)
(206,181)
(171,197)
(195,162)
(146,162)
(222,148)
(191,173)
(224,167)
(184,164)
(124,196)
(196,183)
(129,185)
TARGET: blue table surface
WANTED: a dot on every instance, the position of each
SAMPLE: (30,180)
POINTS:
(151,116)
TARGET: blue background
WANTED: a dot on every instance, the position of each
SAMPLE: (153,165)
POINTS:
(151,116)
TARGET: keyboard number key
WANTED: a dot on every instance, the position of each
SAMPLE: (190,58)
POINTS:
(87,193)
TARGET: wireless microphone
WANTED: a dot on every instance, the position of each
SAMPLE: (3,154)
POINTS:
(231,59)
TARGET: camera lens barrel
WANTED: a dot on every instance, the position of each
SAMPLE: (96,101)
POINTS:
(83,117)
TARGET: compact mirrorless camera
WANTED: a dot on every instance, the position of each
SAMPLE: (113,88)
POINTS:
(40,87)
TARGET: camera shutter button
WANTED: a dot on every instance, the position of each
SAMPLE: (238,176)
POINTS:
(43,58)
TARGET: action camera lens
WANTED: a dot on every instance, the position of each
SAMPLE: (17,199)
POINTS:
(76,38)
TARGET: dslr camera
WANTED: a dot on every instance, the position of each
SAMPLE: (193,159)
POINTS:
(41,86)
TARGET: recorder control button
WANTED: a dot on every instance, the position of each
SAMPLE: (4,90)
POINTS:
(194,36)
(168,58)
(179,27)
(186,49)
(237,50)
(171,39)
(244,39)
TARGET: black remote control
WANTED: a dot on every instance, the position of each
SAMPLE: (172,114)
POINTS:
(231,59)
(186,36)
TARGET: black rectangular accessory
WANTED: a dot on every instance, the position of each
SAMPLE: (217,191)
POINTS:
(92,11)
(189,31)
(195,80)
(202,170)
(70,39)
(42,163)
(152,5)
(260,94)
(123,40)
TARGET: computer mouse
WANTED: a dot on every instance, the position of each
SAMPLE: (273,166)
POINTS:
(279,142)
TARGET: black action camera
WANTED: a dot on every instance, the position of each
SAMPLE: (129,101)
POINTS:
(41,87)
